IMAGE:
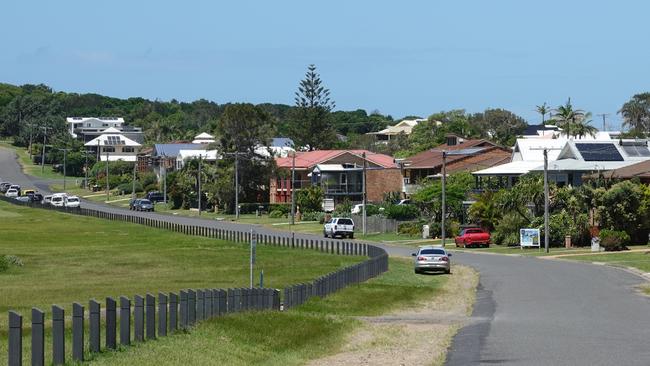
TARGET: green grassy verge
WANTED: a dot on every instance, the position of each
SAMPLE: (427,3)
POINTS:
(315,329)
(638,260)
(74,258)
(29,167)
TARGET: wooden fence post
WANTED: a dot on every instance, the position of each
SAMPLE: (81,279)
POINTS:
(58,335)
(162,314)
(38,337)
(15,339)
(150,315)
(94,326)
(77,332)
(111,323)
(173,312)
(138,318)
(125,321)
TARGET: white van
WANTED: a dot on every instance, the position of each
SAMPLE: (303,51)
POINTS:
(72,201)
(58,199)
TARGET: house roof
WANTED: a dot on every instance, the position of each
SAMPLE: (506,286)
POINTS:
(281,142)
(528,149)
(432,158)
(100,119)
(405,126)
(637,170)
(515,168)
(203,136)
(204,154)
(309,159)
(111,139)
(172,150)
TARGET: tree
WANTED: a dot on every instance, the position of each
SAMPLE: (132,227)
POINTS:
(310,199)
(499,125)
(543,109)
(311,124)
(243,127)
(573,122)
(636,114)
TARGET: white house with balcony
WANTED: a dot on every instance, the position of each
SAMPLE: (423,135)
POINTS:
(111,145)
(89,128)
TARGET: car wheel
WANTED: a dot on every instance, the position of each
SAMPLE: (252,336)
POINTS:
(352,236)
(417,271)
(324,234)
(448,271)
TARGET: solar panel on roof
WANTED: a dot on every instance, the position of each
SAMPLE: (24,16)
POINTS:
(599,152)
(633,150)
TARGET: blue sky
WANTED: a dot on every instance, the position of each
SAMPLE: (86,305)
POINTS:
(401,58)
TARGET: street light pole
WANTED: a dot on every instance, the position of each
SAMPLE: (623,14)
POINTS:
(65,161)
(45,128)
(237,185)
(365,195)
(444,202)
(546,232)
(199,178)
(293,189)
(133,181)
(107,186)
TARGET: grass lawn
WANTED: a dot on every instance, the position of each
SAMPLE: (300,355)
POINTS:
(32,169)
(312,330)
(638,260)
(74,258)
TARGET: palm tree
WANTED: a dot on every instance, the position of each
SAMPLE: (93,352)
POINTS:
(635,116)
(542,109)
(582,126)
(565,117)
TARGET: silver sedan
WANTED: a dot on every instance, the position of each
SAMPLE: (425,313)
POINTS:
(431,258)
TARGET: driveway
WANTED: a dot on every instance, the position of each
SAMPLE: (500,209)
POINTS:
(529,311)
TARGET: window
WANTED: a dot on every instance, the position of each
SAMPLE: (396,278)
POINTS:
(344,179)
(433,251)
(128,149)
(345,222)
(108,149)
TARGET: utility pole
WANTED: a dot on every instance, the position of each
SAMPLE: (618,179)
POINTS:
(604,115)
(107,184)
(237,185)
(65,161)
(444,202)
(293,189)
(164,182)
(31,132)
(86,152)
(546,232)
(546,194)
(45,128)
(365,196)
(199,179)
(133,180)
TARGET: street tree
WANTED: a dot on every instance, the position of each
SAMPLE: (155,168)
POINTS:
(311,122)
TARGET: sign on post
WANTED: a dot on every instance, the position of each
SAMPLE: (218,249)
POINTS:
(529,238)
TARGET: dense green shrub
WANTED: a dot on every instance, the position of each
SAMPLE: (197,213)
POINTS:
(402,212)
(506,231)
(127,187)
(613,240)
(314,216)
(276,214)
(409,228)
(310,199)
(343,209)
(4,263)
(284,207)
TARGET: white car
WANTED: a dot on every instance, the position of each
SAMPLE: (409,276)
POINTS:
(341,226)
(72,201)
(58,200)
(11,192)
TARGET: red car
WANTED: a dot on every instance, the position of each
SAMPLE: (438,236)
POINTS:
(473,237)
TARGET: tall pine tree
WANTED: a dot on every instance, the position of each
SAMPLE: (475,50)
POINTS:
(311,124)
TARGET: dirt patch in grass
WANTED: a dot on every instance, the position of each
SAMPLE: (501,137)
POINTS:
(418,335)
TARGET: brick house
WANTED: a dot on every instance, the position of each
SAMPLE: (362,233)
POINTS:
(339,173)
(462,156)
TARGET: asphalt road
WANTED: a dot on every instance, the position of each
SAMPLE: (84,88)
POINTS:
(529,311)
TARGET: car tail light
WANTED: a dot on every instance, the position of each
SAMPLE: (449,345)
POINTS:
(421,258)
(444,259)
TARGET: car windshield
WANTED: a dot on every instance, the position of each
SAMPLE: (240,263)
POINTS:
(345,222)
(73,200)
(145,202)
(57,199)
(433,251)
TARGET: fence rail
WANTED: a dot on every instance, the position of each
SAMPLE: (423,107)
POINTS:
(181,310)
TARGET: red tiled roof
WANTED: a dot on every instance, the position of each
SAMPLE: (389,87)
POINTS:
(309,159)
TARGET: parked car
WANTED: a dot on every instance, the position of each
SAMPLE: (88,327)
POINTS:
(155,197)
(72,201)
(47,199)
(473,237)
(4,186)
(12,192)
(16,187)
(23,199)
(35,197)
(340,226)
(143,204)
(431,258)
(27,192)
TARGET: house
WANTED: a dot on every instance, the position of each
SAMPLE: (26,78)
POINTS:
(164,156)
(111,145)
(339,173)
(88,128)
(640,171)
(203,138)
(461,156)
(403,127)
(185,155)
(279,147)
(568,160)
